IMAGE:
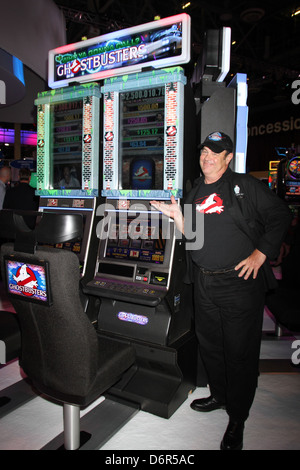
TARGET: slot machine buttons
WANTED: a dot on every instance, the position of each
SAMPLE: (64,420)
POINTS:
(159,279)
(141,275)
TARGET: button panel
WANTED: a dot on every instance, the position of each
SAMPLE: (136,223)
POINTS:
(125,288)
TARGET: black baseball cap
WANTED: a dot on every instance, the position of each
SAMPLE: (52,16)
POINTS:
(218,142)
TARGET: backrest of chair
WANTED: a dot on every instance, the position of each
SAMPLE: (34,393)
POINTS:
(59,344)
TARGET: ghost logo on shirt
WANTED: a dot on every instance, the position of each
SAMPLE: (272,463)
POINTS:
(212,204)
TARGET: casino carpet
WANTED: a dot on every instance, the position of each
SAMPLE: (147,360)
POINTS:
(273,423)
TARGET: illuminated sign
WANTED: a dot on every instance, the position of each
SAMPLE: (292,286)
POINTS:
(7,136)
(28,280)
(157,44)
(133,318)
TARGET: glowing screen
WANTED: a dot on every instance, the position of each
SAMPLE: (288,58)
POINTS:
(28,281)
(66,148)
(141,138)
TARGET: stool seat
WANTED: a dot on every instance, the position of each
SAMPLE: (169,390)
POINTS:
(62,354)
(10,334)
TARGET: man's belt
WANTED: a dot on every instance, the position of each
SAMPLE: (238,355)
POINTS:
(214,273)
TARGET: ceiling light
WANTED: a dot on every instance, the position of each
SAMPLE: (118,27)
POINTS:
(252,15)
(296,12)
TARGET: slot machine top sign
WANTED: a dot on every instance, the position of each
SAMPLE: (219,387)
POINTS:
(158,44)
(293,168)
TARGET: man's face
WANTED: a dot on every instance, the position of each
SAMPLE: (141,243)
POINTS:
(213,165)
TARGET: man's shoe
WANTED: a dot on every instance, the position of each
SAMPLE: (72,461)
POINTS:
(207,404)
(233,437)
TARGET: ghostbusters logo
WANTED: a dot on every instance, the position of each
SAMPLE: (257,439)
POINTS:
(141,174)
(171,131)
(75,67)
(212,204)
(109,136)
(25,278)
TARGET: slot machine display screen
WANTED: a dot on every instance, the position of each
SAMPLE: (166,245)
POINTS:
(136,240)
(76,246)
(142,114)
(80,246)
(66,145)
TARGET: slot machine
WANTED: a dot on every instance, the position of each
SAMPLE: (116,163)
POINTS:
(140,262)
(67,178)
(286,177)
(292,185)
(272,174)
(292,179)
(134,272)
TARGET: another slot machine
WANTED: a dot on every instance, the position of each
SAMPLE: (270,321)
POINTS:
(68,156)
(140,263)
(292,179)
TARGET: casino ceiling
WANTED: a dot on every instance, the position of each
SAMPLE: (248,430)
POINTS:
(265,34)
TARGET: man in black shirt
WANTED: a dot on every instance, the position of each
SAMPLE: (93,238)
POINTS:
(22,196)
(244,226)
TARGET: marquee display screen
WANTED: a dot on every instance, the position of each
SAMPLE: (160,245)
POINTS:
(142,114)
(66,148)
(28,280)
(157,44)
(136,239)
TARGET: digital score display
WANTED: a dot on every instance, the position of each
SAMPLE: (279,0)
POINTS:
(66,148)
(142,115)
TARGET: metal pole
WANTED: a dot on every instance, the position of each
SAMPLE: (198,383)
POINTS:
(71,427)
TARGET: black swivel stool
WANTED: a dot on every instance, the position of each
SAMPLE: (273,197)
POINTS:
(62,353)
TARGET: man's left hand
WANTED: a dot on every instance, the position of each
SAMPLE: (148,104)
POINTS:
(251,264)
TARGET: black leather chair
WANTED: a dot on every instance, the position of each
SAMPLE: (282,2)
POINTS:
(10,335)
(61,352)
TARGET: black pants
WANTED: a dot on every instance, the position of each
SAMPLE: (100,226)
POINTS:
(228,319)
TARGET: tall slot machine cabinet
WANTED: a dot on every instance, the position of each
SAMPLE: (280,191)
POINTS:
(134,268)
(140,263)
(68,124)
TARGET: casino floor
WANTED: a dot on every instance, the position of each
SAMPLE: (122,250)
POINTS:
(273,423)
